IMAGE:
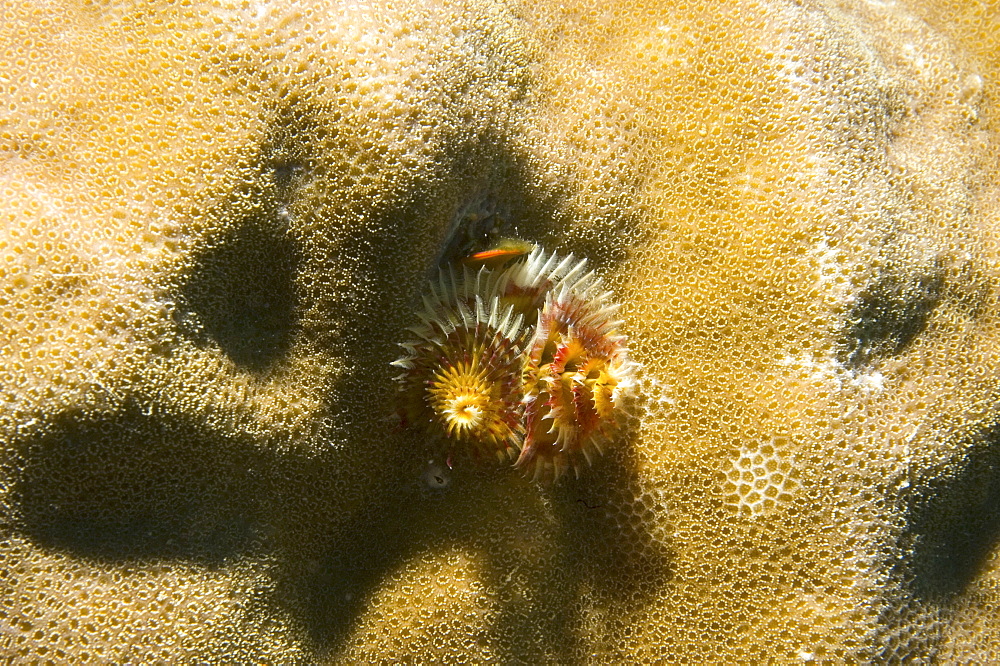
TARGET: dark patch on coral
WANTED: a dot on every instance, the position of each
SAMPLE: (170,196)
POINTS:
(337,562)
(953,522)
(335,558)
(494,203)
(503,200)
(534,578)
(607,242)
(891,312)
(604,540)
(545,613)
(610,525)
(131,487)
(287,156)
(481,221)
(241,295)
(339,589)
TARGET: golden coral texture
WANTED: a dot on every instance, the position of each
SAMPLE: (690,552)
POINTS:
(216,219)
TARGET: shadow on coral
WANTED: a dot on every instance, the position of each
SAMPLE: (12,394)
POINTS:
(336,593)
(604,548)
(493,205)
(606,243)
(479,510)
(539,550)
(501,202)
(954,525)
(132,487)
(241,294)
(609,530)
(892,311)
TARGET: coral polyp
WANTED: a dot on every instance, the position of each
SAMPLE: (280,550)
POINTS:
(521,359)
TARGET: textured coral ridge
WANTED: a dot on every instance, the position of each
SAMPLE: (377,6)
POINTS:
(216,218)
(522,361)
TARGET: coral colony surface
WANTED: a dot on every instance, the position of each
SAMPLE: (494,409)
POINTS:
(759,425)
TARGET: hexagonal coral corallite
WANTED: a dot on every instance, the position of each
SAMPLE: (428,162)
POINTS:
(216,220)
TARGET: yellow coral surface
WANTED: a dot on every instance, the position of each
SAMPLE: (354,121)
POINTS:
(216,219)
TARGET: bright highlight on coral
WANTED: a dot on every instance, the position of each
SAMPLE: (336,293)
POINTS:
(521,360)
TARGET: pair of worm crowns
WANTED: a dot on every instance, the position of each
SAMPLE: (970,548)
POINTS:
(517,355)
